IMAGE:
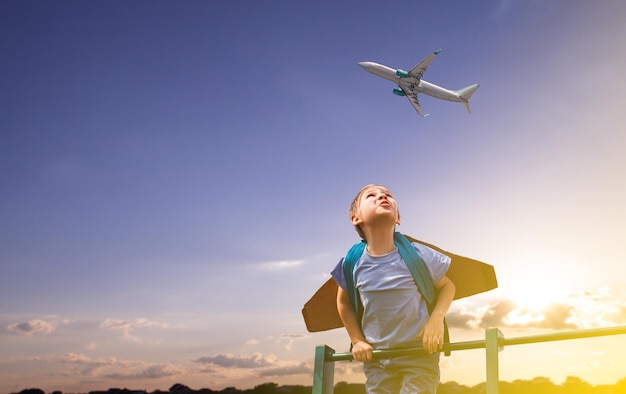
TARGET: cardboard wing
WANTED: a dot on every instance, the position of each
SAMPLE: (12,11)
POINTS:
(469,276)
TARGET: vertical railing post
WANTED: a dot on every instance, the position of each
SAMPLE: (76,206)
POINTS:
(492,348)
(324,372)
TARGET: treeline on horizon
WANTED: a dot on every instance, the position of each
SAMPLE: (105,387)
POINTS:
(538,385)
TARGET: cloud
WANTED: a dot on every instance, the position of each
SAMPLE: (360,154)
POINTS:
(280,265)
(31,327)
(288,370)
(115,368)
(85,365)
(346,370)
(581,310)
(257,364)
(285,340)
(293,336)
(73,358)
(230,361)
(127,327)
(557,316)
(288,339)
(620,315)
(482,317)
(151,372)
(497,314)
(506,314)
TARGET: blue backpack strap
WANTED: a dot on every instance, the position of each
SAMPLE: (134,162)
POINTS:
(417,267)
(354,254)
(420,274)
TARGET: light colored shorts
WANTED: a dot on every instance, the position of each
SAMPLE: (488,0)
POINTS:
(405,374)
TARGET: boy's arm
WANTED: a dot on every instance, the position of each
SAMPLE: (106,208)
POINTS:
(432,333)
(361,350)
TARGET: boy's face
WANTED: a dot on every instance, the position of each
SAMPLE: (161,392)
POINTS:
(376,205)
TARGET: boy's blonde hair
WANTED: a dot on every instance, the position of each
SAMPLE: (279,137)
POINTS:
(355,207)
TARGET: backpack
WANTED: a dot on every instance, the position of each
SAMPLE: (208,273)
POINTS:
(415,265)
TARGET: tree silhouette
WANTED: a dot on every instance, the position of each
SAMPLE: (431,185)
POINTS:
(575,385)
(265,388)
(349,388)
(538,385)
(452,388)
(620,387)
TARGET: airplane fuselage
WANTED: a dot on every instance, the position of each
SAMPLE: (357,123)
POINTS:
(410,83)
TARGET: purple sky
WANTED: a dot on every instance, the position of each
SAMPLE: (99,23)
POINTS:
(175,178)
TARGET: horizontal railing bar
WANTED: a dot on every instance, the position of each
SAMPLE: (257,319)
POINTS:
(560,336)
(380,353)
(480,344)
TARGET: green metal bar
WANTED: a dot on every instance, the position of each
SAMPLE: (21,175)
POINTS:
(324,371)
(560,336)
(387,353)
(480,344)
(492,347)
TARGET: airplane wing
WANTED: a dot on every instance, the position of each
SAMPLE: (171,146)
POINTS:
(420,69)
(415,76)
(412,96)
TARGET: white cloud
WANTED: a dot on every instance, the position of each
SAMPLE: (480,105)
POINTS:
(288,339)
(585,309)
(115,368)
(280,265)
(127,327)
(288,369)
(231,361)
(154,371)
(31,327)
(256,364)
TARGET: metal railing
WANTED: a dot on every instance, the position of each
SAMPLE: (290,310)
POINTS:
(325,357)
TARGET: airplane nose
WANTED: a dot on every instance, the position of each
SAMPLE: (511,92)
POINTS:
(364,65)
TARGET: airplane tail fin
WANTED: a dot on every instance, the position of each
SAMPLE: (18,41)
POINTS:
(465,94)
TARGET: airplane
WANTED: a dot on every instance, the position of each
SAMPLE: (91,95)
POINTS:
(411,83)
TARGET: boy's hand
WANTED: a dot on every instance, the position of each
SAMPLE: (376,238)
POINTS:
(432,334)
(362,351)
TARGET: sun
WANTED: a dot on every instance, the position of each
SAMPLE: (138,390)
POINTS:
(534,285)
(539,295)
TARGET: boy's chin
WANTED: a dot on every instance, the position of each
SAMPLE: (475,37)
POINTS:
(384,221)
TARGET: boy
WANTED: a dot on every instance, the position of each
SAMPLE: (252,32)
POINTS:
(394,313)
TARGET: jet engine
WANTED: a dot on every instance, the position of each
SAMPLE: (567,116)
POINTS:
(398,92)
(401,73)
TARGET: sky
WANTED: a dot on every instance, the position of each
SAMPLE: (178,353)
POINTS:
(175,179)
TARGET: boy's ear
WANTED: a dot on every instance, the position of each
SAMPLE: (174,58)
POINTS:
(356,220)
(398,219)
